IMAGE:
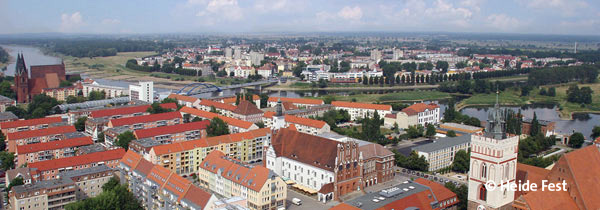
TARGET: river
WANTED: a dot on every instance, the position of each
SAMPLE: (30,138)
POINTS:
(581,122)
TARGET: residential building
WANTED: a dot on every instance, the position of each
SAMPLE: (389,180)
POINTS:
(144,91)
(49,194)
(109,91)
(362,110)
(228,177)
(247,111)
(232,100)
(158,188)
(440,153)
(222,108)
(6,102)
(402,119)
(61,93)
(418,194)
(174,133)
(184,157)
(31,153)
(235,125)
(147,121)
(301,124)
(31,124)
(111,135)
(92,104)
(50,169)
(89,181)
(256,58)
(317,165)
(36,136)
(299,102)
(185,100)
(459,129)
(426,113)
(8,117)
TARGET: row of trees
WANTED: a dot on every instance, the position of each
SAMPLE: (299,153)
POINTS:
(104,47)
(4,56)
(555,75)
(579,95)
(40,106)
(451,115)
(587,56)
(166,68)
(113,196)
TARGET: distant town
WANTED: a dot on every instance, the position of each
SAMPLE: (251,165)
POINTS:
(298,122)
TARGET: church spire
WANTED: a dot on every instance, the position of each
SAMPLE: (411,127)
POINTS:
(496,120)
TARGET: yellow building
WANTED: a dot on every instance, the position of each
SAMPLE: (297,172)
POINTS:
(261,187)
(60,93)
(185,157)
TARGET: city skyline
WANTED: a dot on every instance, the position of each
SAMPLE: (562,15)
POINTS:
(579,17)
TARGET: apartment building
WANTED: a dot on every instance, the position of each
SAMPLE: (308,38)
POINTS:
(61,93)
(232,99)
(299,102)
(261,187)
(69,187)
(143,91)
(50,169)
(185,100)
(8,117)
(6,102)
(235,125)
(247,111)
(147,121)
(317,165)
(222,108)
(185,157)
(31,124)
(31,153)
(440,153)
(362,110)
(301,124)
(37,136)
(109,91)
(158,188)
(174,133)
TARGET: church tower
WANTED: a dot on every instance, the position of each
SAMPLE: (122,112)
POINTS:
(493,161)
(21,80)
(278,119)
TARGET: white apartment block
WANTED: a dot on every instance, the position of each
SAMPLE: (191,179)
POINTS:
(440,154)
(111,91)
(362,110)
(144,91)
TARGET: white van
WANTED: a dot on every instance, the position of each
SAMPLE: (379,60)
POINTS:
(297,201)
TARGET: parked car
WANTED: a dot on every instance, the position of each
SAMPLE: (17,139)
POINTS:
(297,201)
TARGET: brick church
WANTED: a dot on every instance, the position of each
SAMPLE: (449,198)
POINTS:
(42,76)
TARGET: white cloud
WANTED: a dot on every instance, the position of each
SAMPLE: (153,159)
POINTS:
(71,22)
(263,6)
(350,13)
(564,7)
(503,22)
(442,10)
(110,21)
(219,10)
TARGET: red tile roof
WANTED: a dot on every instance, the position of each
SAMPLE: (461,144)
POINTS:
(183,98)
(177,185)
(172,106)
(41,132)
(584,165)
(269,114)
(441,193)
(172,129)
(31,122)
(218,105)
(253,178)
(95,157)
(292,145)
(197,196)
(247,108)
(361,105)
(419,107)
(210,115)
(75,142)
(288,106)
(211,141)
(297,100)
(544,199)
(131,159)
(305,121)
(343,206)
(144,119)
(231,100)
(159,175)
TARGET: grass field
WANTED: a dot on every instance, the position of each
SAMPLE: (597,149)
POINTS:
(393,97)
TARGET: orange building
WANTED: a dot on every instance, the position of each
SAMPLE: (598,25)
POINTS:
(37,136)
(32,153)
(174,133)
(31,124)
(49,169)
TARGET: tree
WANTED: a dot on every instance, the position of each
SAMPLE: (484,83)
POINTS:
(101,137)
(442,65)
(2,141)
(6,90)
(461,193)
(595,132)
(124,139)
(7,159)
(213,109)
(264,98)
(96,95)
(415,131)
(155,108)
(114,197)
(461,161)
(430,130)
(217,127)
(260,124)
(536,128)
(451,133)
(543,91)
(196,119)
(111,184)
(80,124)
(15,182)
(328,99)
(552,91)
(413,162)
(576,140)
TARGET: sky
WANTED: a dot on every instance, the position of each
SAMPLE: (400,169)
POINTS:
(573,17)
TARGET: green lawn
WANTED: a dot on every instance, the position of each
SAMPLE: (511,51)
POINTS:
(392,97)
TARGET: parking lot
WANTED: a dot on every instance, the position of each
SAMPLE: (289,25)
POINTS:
(436,178)
(309,203)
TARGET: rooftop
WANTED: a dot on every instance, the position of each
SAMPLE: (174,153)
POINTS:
(182,98)
(209,115)
(91,104)
(297,100)
(78,160)
(144,119)
(40,132)
(42,185)
(443,143)
(305,121)
(5,116)
(361,105)
(390,195)
(52,145)
(211,141)
(30,122)
(85,171)
(152,132)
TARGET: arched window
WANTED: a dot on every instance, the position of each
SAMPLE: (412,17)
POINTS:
(506,171)
(482,193)
(483,170)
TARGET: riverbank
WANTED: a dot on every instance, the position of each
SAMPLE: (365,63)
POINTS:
(512,97)
(350,88)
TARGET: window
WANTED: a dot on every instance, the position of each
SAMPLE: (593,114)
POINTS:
(483,170)
(482,193)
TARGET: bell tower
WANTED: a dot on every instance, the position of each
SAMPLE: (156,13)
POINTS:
(21,80)
(493,164)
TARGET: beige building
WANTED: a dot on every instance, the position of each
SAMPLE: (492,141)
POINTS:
(261,187)
(401,118)
(60,93)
